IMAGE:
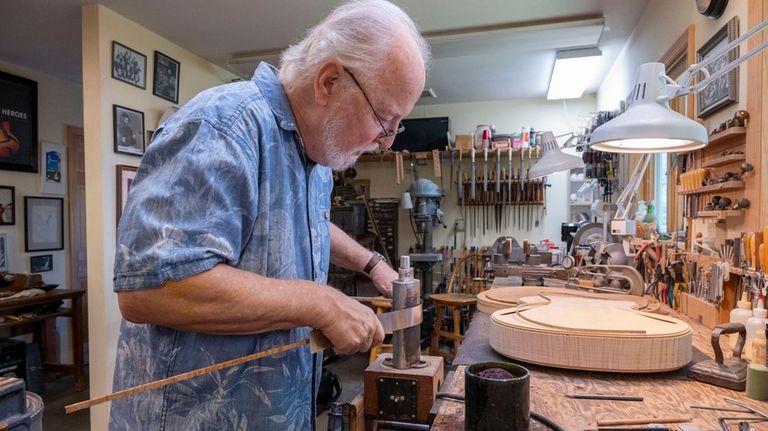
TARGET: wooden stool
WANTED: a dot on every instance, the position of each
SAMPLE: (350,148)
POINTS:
(382,305)
(465,283)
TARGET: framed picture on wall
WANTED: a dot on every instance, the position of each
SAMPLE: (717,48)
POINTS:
(42,263)
(724,90)
(128,65)
(53,175)
(125,176)
(4,250)
(7,206)
(18,123)
(44,223)
(166,83)
(128,125)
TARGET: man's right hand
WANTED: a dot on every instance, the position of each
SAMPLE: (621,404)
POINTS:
(349,325)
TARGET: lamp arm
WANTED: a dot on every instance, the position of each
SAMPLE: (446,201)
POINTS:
(683,88)
(624,203)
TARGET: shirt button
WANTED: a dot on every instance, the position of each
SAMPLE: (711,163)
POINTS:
(327,215)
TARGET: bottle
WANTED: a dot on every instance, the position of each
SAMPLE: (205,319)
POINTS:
(650,213)
(755,323)
(740,314)
(758,348)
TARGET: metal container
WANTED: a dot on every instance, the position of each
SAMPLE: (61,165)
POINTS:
(494,404)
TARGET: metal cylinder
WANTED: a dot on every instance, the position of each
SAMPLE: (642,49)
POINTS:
(406,343)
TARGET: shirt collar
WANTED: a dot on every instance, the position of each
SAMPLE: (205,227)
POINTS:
(265,77)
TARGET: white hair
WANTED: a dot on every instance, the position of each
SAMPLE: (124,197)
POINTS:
(360,33)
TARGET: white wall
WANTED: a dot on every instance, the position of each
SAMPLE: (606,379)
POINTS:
(100,27)
(661,24)
(59,103)
(508,116)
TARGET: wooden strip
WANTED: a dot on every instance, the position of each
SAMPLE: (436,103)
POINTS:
(642,421)
(183,376)
(757,131)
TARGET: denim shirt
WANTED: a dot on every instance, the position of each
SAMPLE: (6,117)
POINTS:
(225,180)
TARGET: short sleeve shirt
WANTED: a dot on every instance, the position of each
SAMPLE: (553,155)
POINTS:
(225,181)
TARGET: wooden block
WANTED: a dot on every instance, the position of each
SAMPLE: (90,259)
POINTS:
(427,381)
(355,414)
(464,142)
(700,310)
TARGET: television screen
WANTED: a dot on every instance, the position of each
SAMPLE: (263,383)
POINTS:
(423,134)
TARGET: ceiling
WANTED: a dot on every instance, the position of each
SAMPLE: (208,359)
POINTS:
(484,49)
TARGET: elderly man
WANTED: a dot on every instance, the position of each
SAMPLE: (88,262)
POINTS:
(224,245)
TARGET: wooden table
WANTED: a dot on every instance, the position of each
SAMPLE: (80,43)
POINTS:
(12,307)
(665,394)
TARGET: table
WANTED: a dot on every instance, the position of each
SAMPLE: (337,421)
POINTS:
(9,306)
(666,394)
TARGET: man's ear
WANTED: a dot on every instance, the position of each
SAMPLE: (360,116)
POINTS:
(327,81)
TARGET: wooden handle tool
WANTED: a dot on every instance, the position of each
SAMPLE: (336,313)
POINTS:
(316,340)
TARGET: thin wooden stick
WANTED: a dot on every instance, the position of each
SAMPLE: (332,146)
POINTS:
(644,421)
(183,376)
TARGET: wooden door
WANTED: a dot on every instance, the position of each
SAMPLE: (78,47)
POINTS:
(76,191)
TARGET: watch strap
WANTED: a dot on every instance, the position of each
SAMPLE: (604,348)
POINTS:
(375,259)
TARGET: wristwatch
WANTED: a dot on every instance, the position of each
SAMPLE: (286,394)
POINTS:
(376,258)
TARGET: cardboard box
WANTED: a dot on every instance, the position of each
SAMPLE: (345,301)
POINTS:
(464,142)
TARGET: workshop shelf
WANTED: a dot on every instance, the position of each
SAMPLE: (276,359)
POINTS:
(727,135)
(720,161)
(719,215)
(719,187)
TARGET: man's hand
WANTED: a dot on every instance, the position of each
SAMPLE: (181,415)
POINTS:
(382,277)
(350,326)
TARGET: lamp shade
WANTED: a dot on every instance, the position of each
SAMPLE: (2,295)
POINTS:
(553,159)
(648,125)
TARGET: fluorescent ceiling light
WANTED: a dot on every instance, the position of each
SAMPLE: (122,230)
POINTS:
(573,70)
(649,125)
(553,159)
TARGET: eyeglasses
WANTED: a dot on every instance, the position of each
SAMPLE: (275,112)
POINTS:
(385,133)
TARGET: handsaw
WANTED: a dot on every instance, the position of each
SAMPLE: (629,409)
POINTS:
(390,321)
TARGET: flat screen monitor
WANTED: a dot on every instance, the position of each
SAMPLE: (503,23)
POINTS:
(423,134)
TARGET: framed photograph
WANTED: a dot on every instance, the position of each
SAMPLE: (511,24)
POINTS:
(724,90)
(44,223)
(166,83)
(150,133)
(128,126)
(125,176)
(7,206)
(53,175)
(18,123)
(4,250)
(128,65)
(42,263)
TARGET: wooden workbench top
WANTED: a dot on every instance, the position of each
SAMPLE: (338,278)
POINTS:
(666,394)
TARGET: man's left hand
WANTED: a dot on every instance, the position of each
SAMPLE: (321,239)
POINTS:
(382,277)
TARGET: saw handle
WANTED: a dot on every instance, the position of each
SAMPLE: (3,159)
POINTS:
(728,328)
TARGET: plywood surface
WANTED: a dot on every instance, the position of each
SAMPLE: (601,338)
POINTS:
(504,297)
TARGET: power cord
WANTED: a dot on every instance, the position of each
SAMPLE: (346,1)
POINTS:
(537,417)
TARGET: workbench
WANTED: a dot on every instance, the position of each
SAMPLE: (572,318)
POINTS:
(75,313)
(665,394)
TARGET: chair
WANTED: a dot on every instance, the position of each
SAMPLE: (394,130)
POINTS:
(466,281)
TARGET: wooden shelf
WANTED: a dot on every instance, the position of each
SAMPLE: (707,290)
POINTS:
(720,161)
(9,323)
(720,215)
(389,156)
(727,135)
(719,187)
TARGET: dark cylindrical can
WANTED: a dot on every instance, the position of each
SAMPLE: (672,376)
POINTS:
(497,397)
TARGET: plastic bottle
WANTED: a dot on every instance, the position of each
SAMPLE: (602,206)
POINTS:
(641,210)
(740,314)
(758,348)
(755,323)
(650,213)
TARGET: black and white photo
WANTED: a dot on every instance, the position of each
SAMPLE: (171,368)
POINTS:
(128,130)
(43,223)
(128,65)
(7,205)
(42,263)
(724,90)
(166,84)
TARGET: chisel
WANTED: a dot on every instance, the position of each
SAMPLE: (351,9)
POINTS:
(498,189)
(509,178)
(485,169)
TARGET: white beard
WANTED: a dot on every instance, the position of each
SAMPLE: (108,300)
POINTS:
(337,158)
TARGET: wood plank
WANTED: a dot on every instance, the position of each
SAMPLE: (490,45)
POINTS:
(757,132)
(718,187)
(720,161)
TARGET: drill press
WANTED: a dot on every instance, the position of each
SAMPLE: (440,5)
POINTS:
(401,386)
